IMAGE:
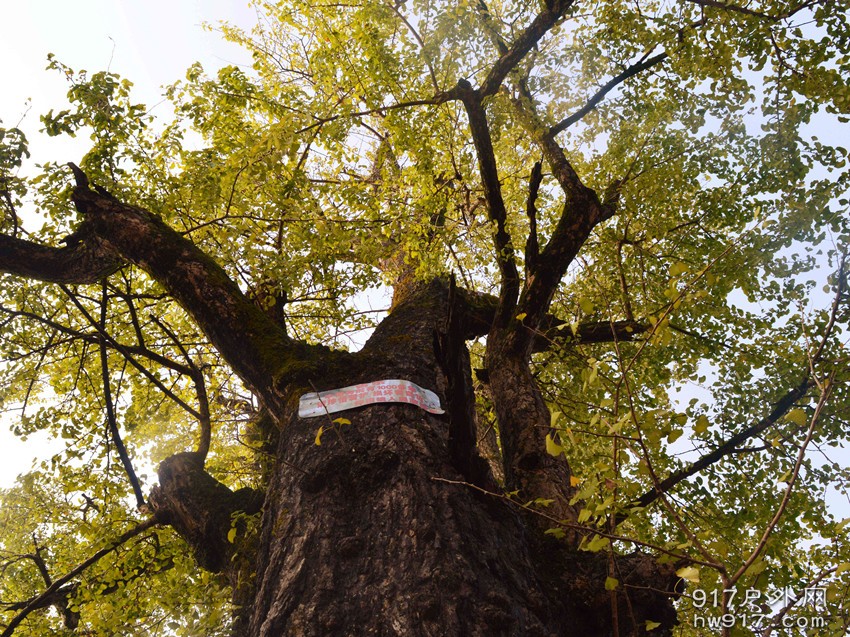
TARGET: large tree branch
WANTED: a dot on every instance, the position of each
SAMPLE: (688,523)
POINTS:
(257,348)
(480,310)
(114,233)
(488,169)
(545,20)
(80,261)
(582,211)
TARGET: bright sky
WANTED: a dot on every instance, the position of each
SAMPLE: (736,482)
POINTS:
(149,42)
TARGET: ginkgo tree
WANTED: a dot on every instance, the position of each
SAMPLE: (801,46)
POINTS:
(616,250)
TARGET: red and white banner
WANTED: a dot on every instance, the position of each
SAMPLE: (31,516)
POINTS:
(381,391)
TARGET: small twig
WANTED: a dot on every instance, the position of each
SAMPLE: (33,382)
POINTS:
(197,376)
(126,354)
(110,408)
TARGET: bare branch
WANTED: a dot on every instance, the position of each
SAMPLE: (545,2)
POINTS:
(197,375)
(120,348)
(781,407)
(780,510)
(110,407)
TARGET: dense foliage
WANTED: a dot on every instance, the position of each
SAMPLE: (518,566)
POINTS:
(340,164)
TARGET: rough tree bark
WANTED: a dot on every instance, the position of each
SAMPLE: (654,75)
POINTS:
(386,528)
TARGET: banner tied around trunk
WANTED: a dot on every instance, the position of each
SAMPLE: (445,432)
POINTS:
(381,391)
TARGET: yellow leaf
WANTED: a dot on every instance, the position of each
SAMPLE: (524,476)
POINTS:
(575,481)
(678,268)
(342,421)
(319,435)
(586,306)
(701,425)
(798,417)
(611,584)
(689,573)
(231,535)
(552,447)
(596,544)
(521,316)
(651,625)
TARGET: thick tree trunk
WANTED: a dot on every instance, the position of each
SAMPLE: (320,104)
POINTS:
(392,525)
(363,534)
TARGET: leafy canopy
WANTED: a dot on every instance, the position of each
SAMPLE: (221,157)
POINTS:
(333,167)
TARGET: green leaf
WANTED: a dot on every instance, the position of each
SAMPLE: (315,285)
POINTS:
(677,269)
(595,544)
(756,567)
(651,625)
(611,584)
(798,417)
(586,305)
(689,573)
(674,435)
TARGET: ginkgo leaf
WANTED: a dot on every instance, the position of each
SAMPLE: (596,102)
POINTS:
(552,447)
(689,573)
(701,425)
(798,417)
(595,544)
